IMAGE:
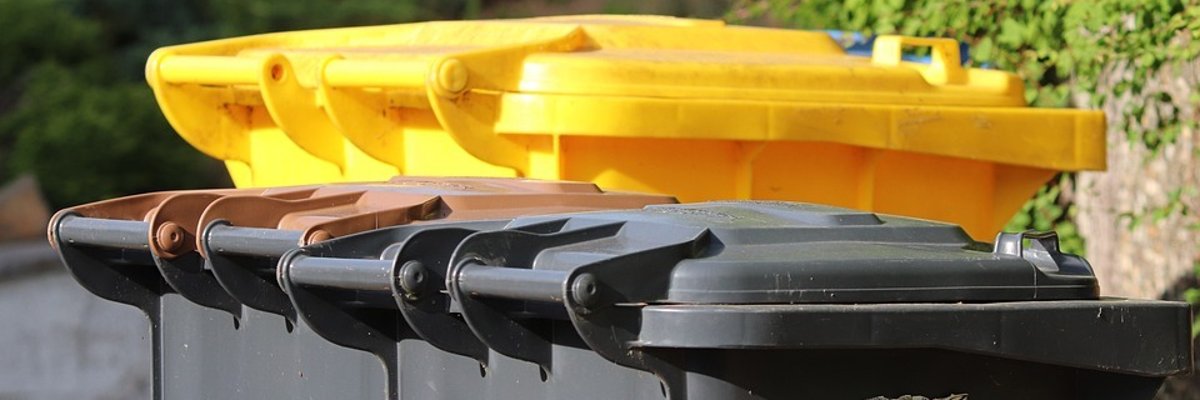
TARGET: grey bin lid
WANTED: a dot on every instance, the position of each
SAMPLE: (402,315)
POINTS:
(774,252)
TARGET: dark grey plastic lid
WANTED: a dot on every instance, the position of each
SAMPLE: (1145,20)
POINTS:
(769,252)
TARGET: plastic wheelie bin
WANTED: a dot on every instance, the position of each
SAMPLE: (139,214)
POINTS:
(731,300)
(201,265)
(754,300)
(692,108)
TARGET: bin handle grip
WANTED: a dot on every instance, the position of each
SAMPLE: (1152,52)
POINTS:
(210,70)
(1014,243)
(448,76)
(944,68)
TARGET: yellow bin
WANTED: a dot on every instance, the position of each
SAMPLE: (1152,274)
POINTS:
(692,108)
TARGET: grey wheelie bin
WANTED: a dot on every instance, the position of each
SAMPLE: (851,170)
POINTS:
(730,300)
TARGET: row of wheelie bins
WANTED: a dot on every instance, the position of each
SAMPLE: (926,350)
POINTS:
(612,207)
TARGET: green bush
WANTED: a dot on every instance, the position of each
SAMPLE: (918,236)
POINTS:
(89,140)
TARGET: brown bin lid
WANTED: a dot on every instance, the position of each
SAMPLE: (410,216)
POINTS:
(326,211)
(167,226)
(181,209)
(338,210)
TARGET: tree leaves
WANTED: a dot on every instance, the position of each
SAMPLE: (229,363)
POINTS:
(88,140)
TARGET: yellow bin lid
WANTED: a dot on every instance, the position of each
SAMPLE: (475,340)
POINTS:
(600,97)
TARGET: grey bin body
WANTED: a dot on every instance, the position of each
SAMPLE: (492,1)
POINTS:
(726,300)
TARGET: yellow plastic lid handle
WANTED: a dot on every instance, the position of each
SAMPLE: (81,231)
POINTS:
(210,70)
(945,63)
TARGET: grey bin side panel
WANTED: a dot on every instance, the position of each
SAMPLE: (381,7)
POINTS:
(892,374)
(579,373)
(206,356)
(1108,335)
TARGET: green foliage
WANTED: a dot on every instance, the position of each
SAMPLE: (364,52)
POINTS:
(1055,46)
(88,140)
(239,17)
(1046,42)
(75,112)
(55,34)
(1174,205)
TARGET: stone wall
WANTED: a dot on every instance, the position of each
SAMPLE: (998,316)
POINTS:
(1140,241)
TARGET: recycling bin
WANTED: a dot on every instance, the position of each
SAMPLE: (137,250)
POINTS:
(692,108)
(201,263)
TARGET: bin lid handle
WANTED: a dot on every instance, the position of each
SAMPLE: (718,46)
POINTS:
(944,67)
